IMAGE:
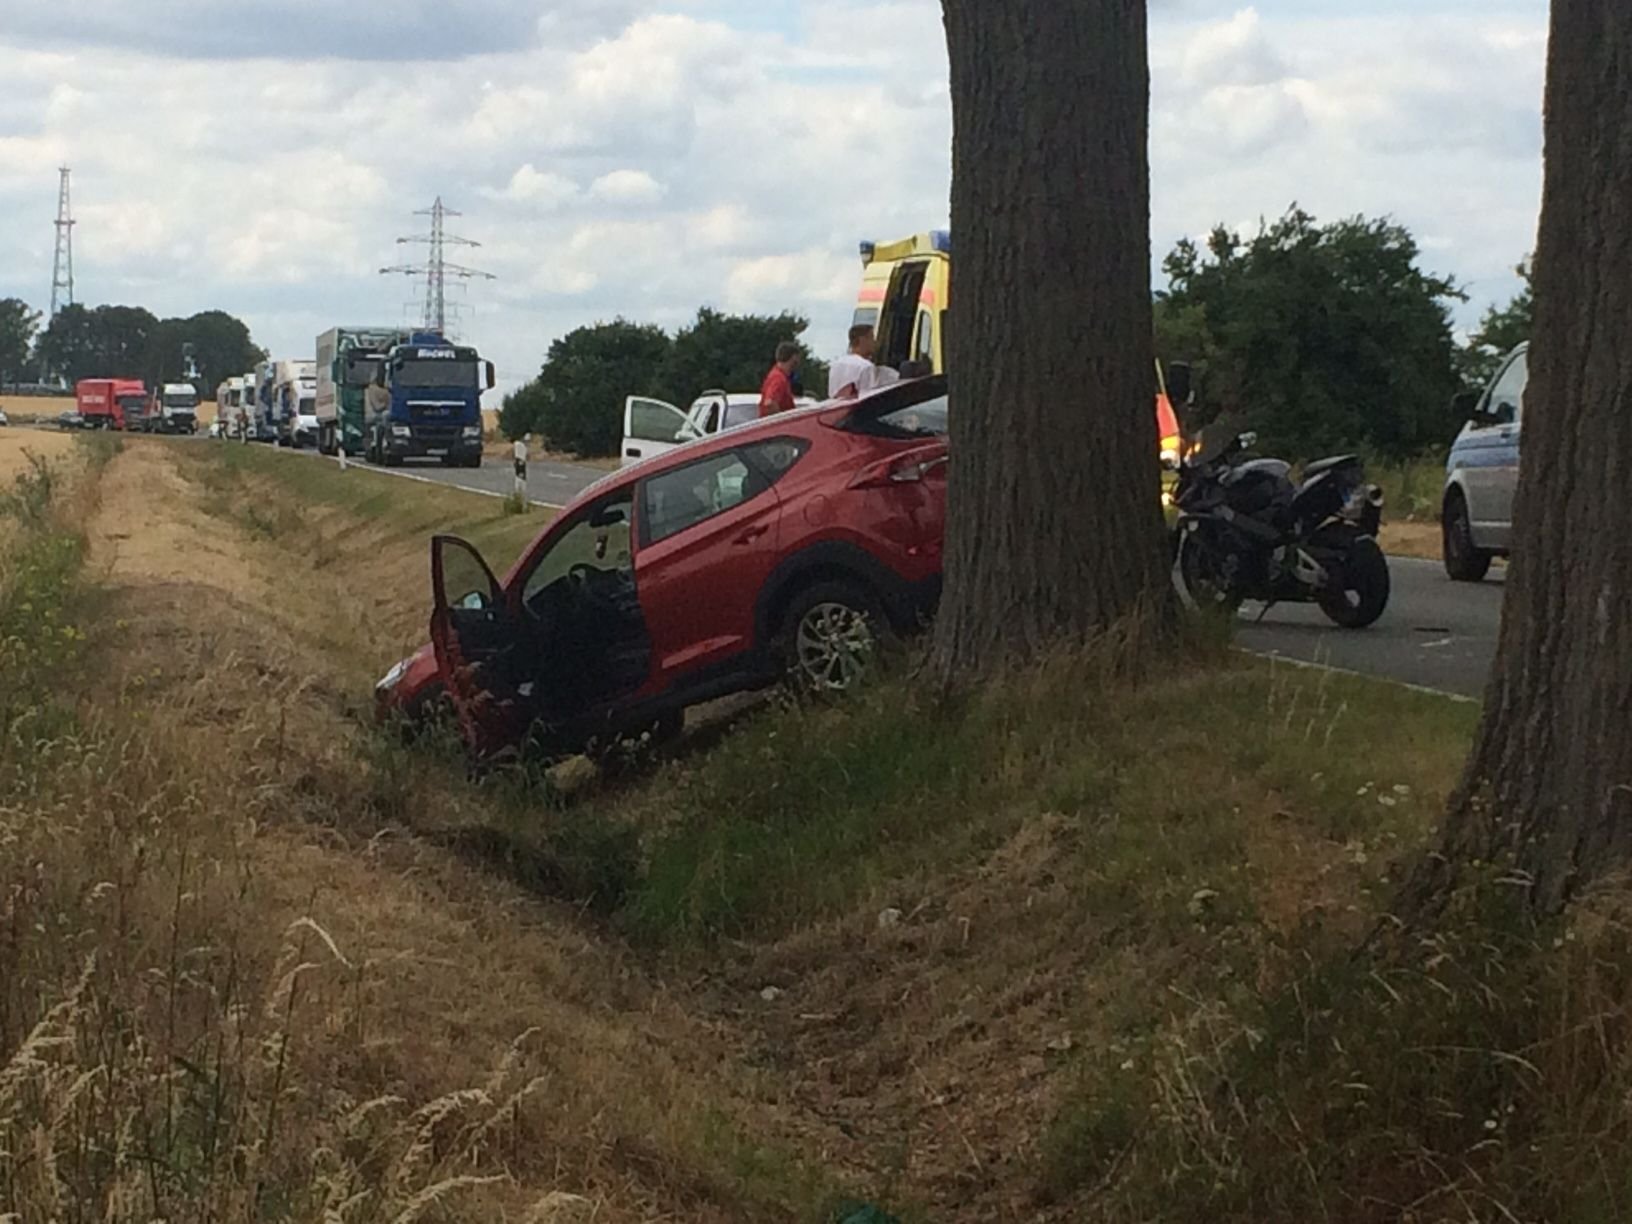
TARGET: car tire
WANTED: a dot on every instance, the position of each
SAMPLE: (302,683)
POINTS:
(1365,590)
(831,639)
(1464,560)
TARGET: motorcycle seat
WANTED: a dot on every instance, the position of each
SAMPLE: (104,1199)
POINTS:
(1326,465)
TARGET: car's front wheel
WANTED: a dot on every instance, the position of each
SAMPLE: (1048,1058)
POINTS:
(1464,560)
(833,635)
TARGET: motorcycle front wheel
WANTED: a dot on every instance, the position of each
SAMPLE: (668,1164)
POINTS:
(1363,587)
(1197,579)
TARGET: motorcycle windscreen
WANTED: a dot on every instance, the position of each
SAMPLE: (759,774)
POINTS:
(477,639)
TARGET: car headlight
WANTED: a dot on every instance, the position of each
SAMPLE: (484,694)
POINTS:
(400,431)
(392,678)
(473,431)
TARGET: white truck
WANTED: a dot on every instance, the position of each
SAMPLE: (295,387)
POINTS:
(652,426)
(294,401)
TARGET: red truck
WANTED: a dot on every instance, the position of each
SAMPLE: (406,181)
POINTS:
(110,403)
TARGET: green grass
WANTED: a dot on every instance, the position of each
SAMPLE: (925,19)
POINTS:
(1412,490)
(405,509)
(808,810)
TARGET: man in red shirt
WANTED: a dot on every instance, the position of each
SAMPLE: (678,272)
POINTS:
(776,393)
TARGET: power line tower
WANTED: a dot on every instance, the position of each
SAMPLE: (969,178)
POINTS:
(436,269)
(62,267)
(62,263)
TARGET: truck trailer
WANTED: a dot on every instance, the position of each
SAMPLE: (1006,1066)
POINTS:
(348,360)
(425,401)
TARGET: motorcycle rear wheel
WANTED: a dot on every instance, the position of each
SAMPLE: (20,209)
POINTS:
(1363,587)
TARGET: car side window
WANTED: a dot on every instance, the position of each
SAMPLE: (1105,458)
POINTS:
(598,539)
(740,414)
(775,457)
(1506,402)
(924,347)
(675,500)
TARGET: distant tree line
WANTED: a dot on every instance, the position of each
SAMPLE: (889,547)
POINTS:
(1328,337)
(576,402)
(122,342)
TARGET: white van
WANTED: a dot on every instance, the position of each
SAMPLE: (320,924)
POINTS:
(651,426)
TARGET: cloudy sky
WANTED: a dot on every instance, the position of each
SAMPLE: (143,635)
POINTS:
(645,157)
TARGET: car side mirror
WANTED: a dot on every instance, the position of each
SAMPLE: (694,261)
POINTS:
(1465,405)
(1179,384)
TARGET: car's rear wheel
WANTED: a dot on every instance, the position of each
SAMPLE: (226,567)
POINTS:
(833,634)
(1464,560)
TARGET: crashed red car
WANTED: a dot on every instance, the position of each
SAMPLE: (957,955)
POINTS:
(791,546)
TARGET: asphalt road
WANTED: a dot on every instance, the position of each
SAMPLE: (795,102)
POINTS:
(548,483)
(1436,633)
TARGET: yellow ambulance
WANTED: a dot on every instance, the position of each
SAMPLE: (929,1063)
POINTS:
(905,290)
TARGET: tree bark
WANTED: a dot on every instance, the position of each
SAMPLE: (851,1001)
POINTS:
(1548,787)
(1054,526)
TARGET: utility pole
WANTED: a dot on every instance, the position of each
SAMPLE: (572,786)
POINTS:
(436,269)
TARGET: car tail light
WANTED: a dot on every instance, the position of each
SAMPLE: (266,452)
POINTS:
(901,469)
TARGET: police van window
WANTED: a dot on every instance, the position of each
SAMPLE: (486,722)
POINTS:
(1507,396)
(924,348)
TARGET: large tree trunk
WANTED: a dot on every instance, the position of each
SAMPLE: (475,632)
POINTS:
(1054,527)
(1549,783)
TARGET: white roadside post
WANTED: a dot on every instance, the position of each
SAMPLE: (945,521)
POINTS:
(339,436)
(519,450)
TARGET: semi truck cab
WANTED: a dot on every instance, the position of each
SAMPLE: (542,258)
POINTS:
(174,409)
(348,362)
(431,393)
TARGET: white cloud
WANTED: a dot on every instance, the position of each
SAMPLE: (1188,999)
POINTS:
(643,157)
(627,187)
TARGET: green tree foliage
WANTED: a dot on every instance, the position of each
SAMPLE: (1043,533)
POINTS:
(1321,337)
(17,327)
(221,349)
(104,342)
(1501,331)
(128,342)
(733,353)
(578,395)
(576,402)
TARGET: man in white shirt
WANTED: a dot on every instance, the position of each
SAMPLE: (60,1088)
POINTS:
(854,374)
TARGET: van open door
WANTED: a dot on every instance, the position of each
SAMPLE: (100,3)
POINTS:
(478,643)
(898,318)
(651,426)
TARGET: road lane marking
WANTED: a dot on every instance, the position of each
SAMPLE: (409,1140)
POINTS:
(1461,698)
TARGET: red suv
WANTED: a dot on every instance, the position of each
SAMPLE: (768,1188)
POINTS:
(789,546)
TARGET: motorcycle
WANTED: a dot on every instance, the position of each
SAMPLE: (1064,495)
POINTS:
(1246,531)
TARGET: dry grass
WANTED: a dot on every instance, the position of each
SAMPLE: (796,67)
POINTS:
(235,984)
(17,444)
(274,964)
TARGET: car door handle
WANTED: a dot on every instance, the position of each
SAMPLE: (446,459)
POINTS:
(749,536)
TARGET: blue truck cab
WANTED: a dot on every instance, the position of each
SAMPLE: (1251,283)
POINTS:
(435,403)
(1482,473)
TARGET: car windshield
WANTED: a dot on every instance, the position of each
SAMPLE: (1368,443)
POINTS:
(130,403)
(181,399)
(460,375)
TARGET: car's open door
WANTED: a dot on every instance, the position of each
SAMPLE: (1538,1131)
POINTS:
(479,648)
(651,427)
